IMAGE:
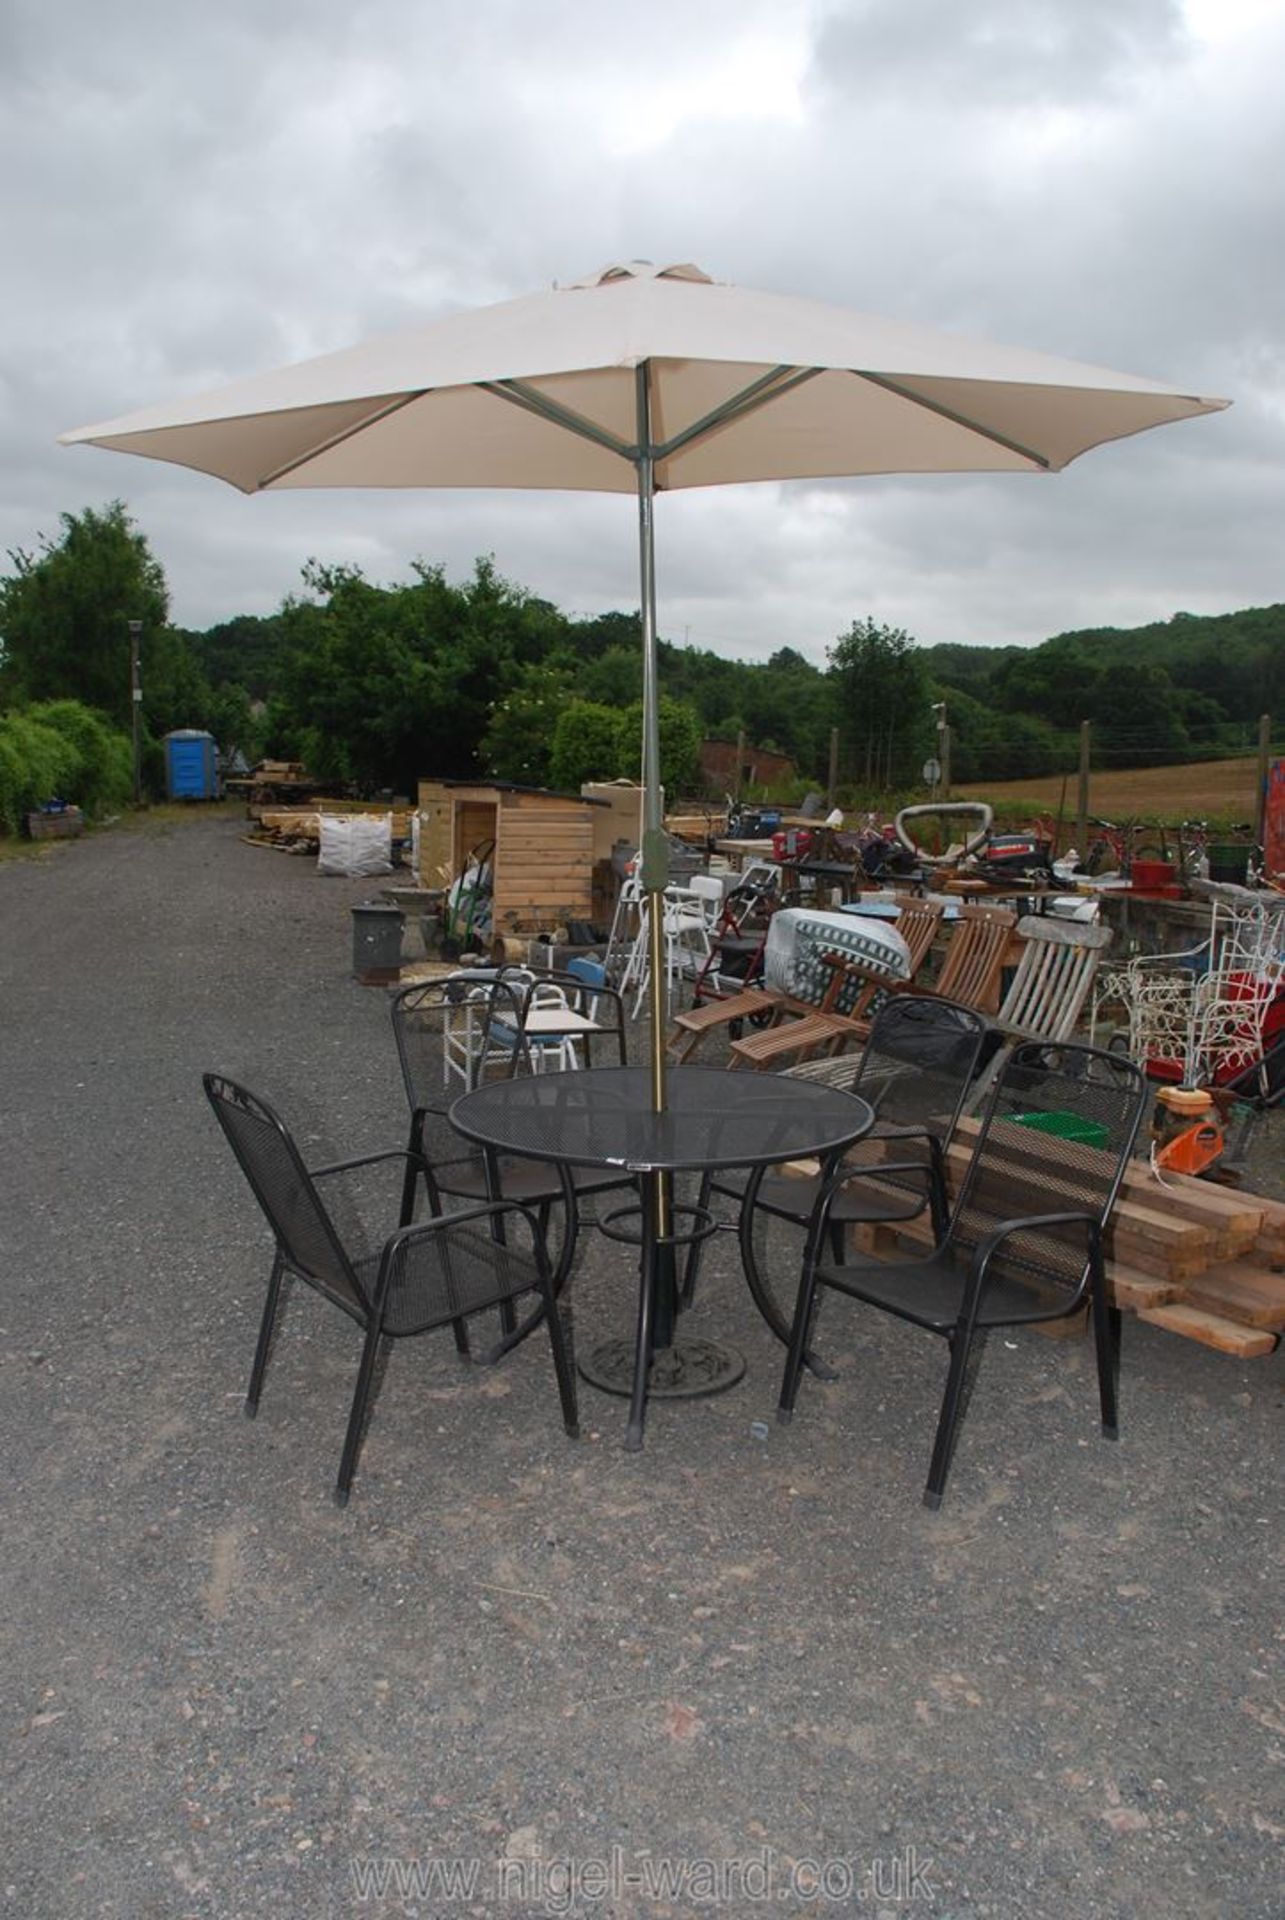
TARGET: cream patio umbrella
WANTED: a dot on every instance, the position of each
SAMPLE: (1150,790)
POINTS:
(638,380)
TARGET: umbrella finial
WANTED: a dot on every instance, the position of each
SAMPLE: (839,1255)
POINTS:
(643,270)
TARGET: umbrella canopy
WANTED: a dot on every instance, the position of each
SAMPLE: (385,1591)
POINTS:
(641,379)
(541,392)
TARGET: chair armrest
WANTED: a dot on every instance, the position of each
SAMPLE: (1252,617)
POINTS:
(443,1223)
(366,1160)
(986,1250)
(933,1169)
(416,1163)
(464,1216)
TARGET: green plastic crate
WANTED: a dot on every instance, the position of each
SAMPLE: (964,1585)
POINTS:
(1066,1126)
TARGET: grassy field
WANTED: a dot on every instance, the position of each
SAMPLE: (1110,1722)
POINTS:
(1223,792)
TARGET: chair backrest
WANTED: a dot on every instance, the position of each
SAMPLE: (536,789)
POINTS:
(305,1233)
(917,923)
(1055,1137)
(591,973)
(452,1031)
(708,887)
(974,961)
(1054,974)
(916,1066)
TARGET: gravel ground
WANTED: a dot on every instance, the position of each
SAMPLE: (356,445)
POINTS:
(756,1663)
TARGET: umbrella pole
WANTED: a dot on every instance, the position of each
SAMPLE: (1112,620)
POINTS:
(658,1188)
(655,847)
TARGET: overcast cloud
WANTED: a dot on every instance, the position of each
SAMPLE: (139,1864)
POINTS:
(197,193)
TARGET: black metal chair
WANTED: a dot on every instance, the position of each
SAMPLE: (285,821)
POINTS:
(451,1035)
(915,1071)
(1024,1239)
(423,1277)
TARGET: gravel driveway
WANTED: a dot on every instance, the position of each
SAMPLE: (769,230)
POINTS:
(742,1669)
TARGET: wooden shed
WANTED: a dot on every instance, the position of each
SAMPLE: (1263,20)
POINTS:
(540,844)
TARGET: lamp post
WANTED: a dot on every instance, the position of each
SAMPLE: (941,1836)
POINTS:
(136,708)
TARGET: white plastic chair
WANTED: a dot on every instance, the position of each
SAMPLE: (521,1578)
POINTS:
(690,919)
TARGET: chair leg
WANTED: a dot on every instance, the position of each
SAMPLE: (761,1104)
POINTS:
(803,1310)
(1106,1339)
(562,1361)
(961,1346)
(356,1418)
(265,1338)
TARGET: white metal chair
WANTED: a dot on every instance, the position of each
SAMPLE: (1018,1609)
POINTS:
(1201,1015)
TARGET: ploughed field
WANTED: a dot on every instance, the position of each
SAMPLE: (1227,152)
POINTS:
(1213,790)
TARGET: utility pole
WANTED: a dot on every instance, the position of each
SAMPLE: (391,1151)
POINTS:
(136,708)
(832,784)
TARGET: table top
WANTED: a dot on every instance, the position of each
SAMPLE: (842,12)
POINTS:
(601,1117)
(559,1020)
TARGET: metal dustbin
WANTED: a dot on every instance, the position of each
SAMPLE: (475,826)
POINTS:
(377,930)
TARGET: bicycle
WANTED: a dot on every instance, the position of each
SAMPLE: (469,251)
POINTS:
(1118,842)
(1193,850)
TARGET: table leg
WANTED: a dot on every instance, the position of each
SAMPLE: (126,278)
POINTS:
(780,1322)
(657,1362)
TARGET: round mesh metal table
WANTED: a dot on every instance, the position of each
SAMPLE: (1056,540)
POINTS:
(603,1118)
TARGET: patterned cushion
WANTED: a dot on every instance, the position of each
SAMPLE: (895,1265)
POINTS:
(798,935)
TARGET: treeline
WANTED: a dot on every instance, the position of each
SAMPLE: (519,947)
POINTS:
(374,686)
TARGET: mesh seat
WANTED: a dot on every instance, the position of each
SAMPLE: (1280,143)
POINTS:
(422,1277)
(1024,1240)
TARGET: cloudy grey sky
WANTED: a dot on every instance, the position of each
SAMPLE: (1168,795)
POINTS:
(195,193)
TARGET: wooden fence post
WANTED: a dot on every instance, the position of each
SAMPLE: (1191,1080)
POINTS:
(1260,791)
(1082,795)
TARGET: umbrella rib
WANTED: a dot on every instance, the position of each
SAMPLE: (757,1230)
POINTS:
(770,386)
(520,395)
(337,439)
(957,419)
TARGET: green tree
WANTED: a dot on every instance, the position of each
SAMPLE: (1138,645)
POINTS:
(64,616)
(244,651)
(230,718)
(882,695)
(586,745)
(382,685)
(614,678)
(518,742)
(680,733)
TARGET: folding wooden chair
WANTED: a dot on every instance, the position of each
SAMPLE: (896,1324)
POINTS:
(800,1036)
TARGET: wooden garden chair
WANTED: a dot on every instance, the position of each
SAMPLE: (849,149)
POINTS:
(917,923)
(1050,988)
(801,1033)
(981,945)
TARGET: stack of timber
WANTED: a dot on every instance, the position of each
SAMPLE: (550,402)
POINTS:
(298,829)
(1200,1260)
